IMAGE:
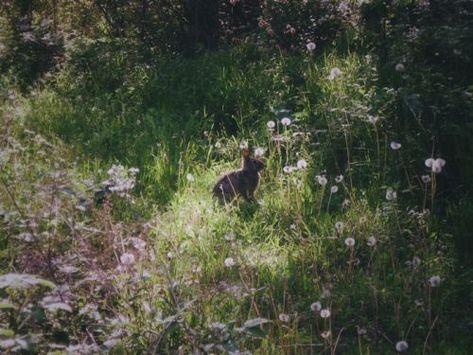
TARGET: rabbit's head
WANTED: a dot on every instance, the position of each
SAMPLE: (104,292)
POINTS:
(249,163)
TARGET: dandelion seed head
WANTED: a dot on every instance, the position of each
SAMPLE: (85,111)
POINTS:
(334,73)
(402,346)
(371,241)
(271,124)
(310,46)
(326,334)
(334,189)
(435,164)
(400,67)
(339,227)
(391,195)
(229,262)
(426,179)
(301,164)
(259,152)
(325,313)
(283,317)
(349,242)
(321,179)
(434,281)
(339,179)
(316,306)
(395,145)
(286,121)
(288,169)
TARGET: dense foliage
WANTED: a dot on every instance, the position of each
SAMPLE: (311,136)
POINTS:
(117,117)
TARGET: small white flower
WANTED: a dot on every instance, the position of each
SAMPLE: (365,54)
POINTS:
(293,227)
(419,302)
(334,189)
(402,346)
(391,195)
(170,255)
(316,306)
(426,179)
(288,169)
(218,145)
(325,313)
(259,152)
(400,67)
(373,119)
(271,124)
(371,241)
(345,203)
(229,262)
(301,164)
(434,281)
(244,144)
(349,242)
(339,227)
(334,73)
(127,258)
(286,121)
(326,334)
(395,145)
(322,180)
(283,317)
(310,46)
(339,179)
(435,164)
(361,330)
(190,177)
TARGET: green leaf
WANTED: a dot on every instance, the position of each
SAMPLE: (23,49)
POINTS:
(5,305)
(8,333)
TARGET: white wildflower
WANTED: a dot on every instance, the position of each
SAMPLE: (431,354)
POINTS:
(244,144)
(339,179)
(271,124)
(395,145)
(334,189)
(288,169)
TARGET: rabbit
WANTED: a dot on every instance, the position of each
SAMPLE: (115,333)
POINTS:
(243,182)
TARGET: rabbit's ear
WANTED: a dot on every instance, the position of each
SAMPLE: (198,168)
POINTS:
(245,153)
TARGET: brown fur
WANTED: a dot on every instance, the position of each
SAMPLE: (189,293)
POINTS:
(243,182)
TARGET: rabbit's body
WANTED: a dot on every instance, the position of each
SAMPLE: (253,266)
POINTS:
(243,182)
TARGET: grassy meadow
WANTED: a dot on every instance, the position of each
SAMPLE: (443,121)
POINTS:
(358,241)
